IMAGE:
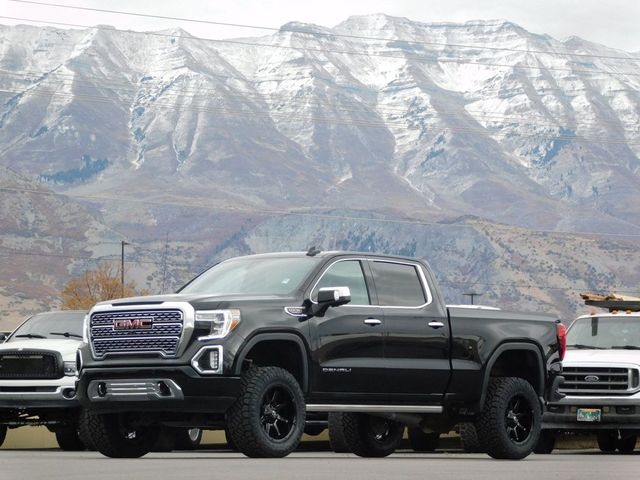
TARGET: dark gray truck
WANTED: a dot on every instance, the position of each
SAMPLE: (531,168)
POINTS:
(254,343)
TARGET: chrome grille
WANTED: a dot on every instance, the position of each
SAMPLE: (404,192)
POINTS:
(594,381)
(161,337)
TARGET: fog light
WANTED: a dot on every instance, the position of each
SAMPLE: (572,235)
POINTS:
(208,360)
(102,389)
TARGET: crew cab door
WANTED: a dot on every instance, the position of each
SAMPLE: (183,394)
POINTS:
(348,350)
(417,333)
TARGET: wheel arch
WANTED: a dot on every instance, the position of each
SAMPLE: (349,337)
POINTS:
(292,348)
(508,360)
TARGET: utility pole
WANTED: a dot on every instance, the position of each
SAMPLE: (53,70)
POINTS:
(472,295)
(122,244)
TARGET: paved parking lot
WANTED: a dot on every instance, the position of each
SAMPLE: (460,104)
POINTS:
(566,465)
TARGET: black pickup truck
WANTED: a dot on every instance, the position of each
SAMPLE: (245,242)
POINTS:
(254,343)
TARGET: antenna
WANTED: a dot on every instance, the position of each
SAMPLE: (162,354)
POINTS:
(313,251)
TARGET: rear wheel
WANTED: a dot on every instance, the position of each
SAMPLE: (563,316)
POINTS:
(423,442)
(509,423)
(69,439)
(120,435)
(369,436)
(267,419)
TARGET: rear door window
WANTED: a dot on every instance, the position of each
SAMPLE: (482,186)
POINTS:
(398,284)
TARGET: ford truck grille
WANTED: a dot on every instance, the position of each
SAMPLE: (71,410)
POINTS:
(594,381)
(156,331)
(30,364)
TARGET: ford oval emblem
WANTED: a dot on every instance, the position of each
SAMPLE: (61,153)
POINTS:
(591,378)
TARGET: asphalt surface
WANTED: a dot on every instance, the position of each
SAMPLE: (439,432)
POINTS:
(203,464)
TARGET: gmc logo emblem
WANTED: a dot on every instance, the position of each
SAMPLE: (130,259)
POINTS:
(133,324)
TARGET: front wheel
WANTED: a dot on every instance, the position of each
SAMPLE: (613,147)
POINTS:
(69,439)
(546,442)
(469,438)
(3,434)
(509,423)
(368,435)
(267,420)
(119,435)
(607,441)
(336,435)
(187,438)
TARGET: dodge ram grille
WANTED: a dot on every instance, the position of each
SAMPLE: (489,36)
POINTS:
(30,364)
(154,331)
(594,381)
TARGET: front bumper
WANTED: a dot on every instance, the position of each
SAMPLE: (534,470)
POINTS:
(157,389)
(616,413)
(25,394)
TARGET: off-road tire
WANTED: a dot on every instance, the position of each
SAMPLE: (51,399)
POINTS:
(423,442)
(607,440)
(509,423)
(369,436)
(270,400)
(83,432)
(69,439)
(3,434)
(166,441)
(336,435)
(546,442)
(113,438)
(187,438)
(469,438)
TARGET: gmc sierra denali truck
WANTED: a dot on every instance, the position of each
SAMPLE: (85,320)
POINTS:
(255,342)
(602,372)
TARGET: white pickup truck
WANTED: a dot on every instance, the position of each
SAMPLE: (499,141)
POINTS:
(38,376)
(602,378)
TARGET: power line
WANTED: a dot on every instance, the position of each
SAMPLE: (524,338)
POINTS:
(309,214)
(324,34)
(340,52)
(227,112)
(122,87)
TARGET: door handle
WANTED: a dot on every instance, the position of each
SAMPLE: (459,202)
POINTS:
(436,324)
(372,321)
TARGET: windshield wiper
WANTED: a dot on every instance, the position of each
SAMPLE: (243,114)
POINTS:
(626,347)
(582,346)
(66,334)
(30,335)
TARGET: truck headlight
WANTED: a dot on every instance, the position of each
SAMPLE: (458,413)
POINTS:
(70,369)
(218,322)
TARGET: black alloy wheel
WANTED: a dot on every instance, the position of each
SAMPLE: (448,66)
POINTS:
(278,412)
(518,419)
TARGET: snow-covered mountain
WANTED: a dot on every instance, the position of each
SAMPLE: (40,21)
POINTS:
(163,134)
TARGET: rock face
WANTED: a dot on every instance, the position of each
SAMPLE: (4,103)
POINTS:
(196,149)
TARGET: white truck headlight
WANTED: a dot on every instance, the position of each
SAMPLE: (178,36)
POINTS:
(70,369)
(219,322)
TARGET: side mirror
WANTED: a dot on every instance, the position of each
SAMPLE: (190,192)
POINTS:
(328,297)
(334,296)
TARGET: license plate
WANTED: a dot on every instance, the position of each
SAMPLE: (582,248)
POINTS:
(589,415)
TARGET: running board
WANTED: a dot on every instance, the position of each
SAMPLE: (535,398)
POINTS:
(332,407)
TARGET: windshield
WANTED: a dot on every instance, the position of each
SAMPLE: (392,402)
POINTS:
(253,276)
(50,325)
(615,332)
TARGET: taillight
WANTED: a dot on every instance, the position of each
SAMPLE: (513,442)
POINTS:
(562,340)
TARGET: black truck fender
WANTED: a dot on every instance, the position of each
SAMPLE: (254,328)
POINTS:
(537,380)
(288,337)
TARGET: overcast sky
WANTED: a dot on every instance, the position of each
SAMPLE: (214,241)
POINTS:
(614,23)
